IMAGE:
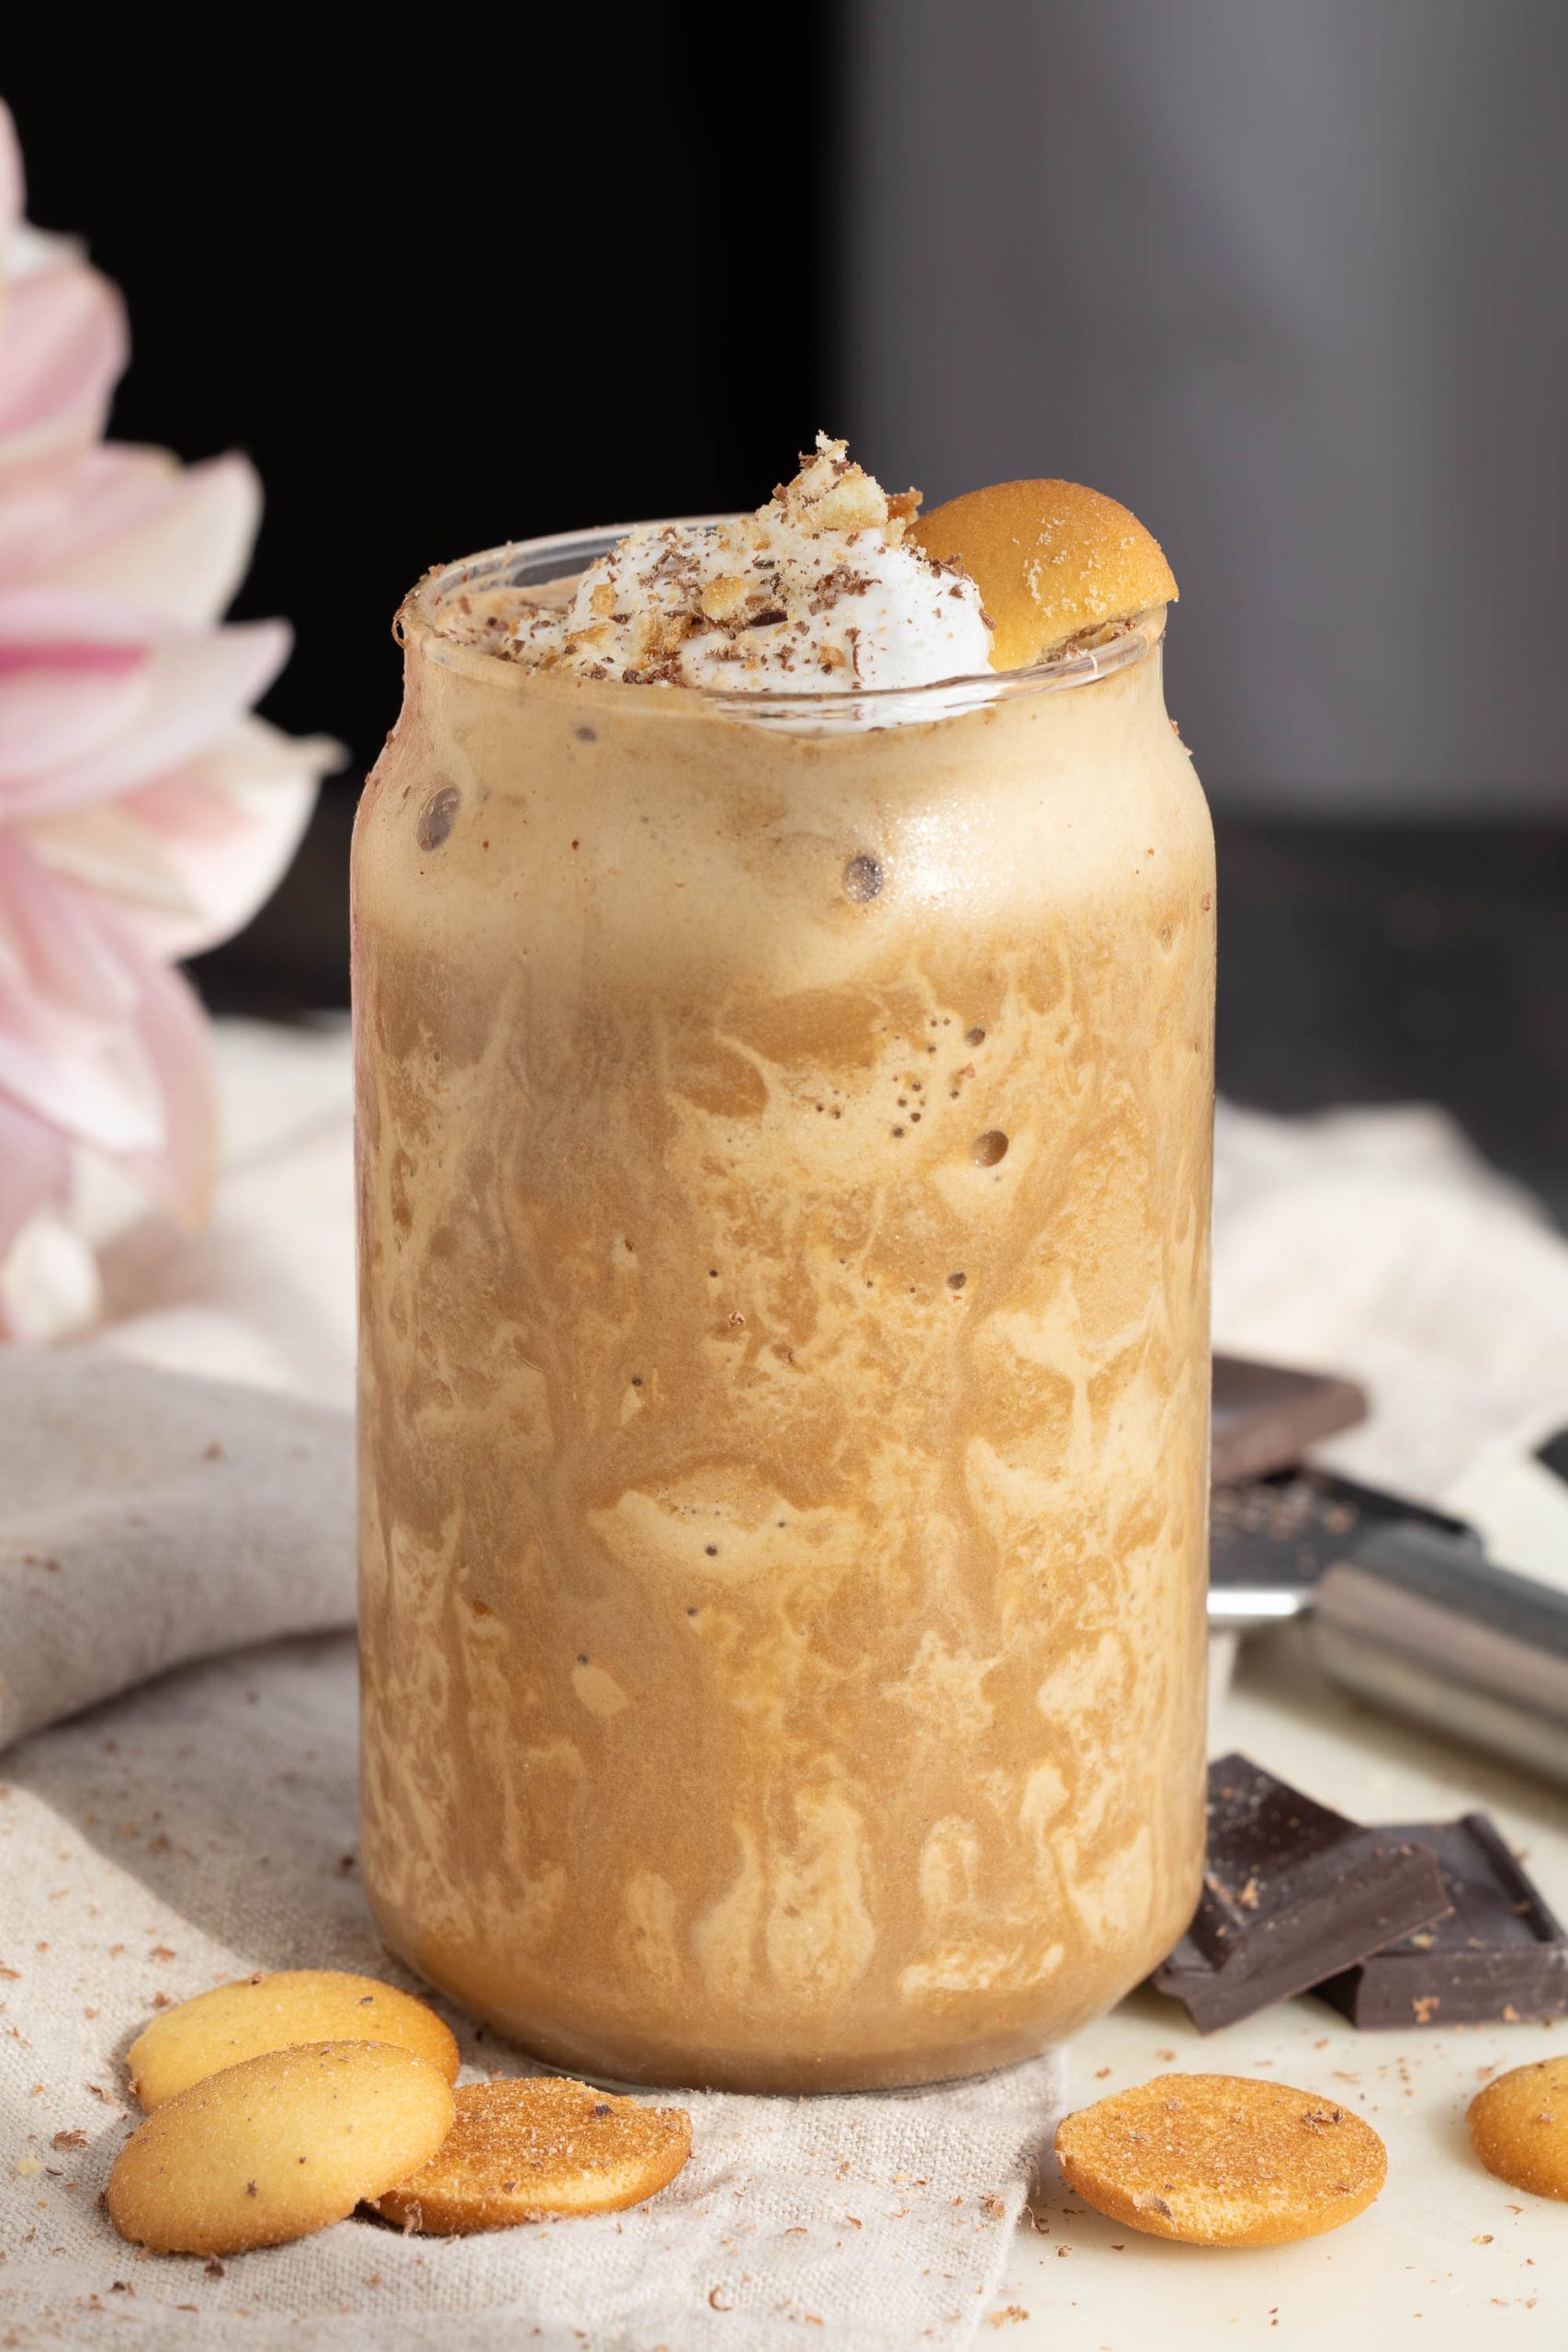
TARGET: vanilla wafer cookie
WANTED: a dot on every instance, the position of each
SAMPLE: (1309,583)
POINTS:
(278,2146)
(1222,2160)
(233,2022)
(1518,2127)
(540,2145)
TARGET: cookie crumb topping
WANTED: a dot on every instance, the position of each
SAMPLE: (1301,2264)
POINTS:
(820,591)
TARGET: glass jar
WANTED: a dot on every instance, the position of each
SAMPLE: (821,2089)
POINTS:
(784,1135)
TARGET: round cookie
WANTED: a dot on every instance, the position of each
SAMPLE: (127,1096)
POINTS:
(1518,2127)
(1221,2160)
(233,2022)
(540,2145)
(1051,560)
(278,2147)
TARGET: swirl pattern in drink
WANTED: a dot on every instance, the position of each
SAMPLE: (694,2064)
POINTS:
(784,1139)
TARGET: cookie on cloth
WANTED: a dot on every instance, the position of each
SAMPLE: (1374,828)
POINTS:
(539,2145)
(1222,2160)
(278,2146)
(1518,2127)
(233,2022)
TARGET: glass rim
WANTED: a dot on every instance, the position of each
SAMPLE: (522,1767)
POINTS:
(559,555)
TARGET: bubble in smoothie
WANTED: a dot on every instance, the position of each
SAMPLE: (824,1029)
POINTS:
(438,816)
(986,1149)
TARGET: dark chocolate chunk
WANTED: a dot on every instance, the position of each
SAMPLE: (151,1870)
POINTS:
(1265,1416)
(1499,1955)
(1293,1892)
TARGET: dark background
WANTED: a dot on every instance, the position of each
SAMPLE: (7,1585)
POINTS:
(489,285)
(504,283)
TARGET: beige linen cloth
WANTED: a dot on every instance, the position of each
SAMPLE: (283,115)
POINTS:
(177,1484)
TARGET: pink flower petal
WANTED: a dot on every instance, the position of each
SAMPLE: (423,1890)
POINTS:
(40,473)
(175,539)
(231,828)
(44,507)
(112,851)
(32,501)
(69,679)
(65,343)
(11,197)
(59,702)
(34,615)
(69,1046)
(142,812)
(173,1031)
(189,690)
(77,1076)
(62,343)
(35,1169)
(52,940)
(98,1039)
(189,858)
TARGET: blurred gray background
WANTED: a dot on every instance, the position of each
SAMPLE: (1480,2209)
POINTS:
(1287,277)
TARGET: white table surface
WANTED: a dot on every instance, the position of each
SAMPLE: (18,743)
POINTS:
(1447,2256)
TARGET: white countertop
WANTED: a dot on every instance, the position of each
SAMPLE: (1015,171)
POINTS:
(1448,2257)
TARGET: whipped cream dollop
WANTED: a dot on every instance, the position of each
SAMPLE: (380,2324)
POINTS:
(818,592)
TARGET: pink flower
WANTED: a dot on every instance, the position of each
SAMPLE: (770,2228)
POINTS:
(144,814)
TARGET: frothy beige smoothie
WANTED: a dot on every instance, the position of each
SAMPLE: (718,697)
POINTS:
(783,1198)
